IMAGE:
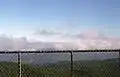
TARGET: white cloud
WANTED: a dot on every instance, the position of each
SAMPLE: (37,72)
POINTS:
(84,40)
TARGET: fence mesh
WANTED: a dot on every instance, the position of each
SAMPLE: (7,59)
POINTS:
(45,65)
(9,65)
(75,64)
(96,64)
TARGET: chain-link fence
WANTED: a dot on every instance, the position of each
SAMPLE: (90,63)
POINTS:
(45,64)
(9,65)
(96,64)
(82,63)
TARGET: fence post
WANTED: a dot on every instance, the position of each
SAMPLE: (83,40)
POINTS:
(71,73)
(19,64)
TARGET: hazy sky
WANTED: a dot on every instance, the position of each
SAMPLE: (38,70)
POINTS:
(26,17)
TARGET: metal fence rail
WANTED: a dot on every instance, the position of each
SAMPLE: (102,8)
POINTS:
(59,51)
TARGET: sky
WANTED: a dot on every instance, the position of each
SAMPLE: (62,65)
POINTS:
(61,20)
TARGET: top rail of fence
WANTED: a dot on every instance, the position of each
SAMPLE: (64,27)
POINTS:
(61,51)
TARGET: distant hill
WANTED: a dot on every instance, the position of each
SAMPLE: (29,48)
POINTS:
(94,68)
(41,58)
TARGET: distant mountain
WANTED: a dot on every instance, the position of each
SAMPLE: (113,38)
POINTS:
(41,58)
(87,63)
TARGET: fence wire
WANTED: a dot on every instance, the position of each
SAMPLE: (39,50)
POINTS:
(45,64)
(60,64)
(9,65)
(96,64)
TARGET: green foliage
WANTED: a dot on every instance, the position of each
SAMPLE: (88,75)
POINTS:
(106,68)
